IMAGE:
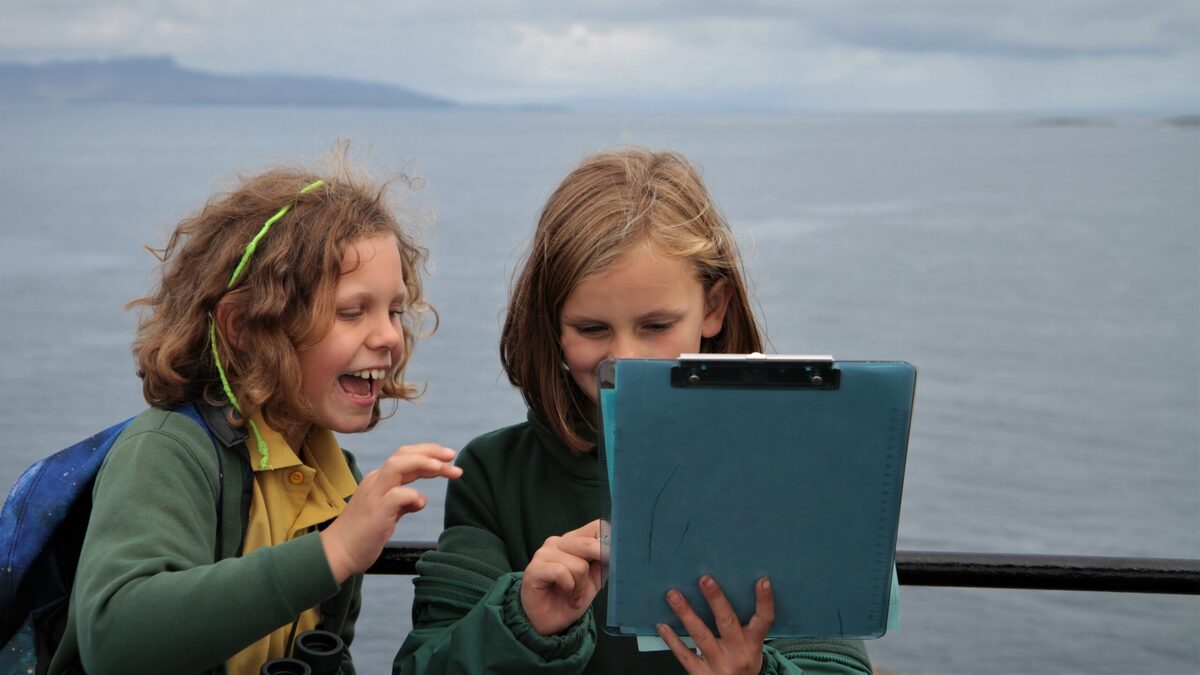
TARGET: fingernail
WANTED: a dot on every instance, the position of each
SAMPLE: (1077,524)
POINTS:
(766,584)
(708,582)
(661,628)
(674,598)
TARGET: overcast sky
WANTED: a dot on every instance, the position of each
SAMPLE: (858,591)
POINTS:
(800,54)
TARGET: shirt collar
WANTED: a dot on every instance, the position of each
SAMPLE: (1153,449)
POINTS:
(323,452)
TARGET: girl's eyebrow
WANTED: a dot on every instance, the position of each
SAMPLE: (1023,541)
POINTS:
(652,315)
(659,316)
(361,296)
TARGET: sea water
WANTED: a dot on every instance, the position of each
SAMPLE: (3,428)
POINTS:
(1044,277)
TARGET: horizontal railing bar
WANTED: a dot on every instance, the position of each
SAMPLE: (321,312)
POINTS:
(400,557)
(1176,576)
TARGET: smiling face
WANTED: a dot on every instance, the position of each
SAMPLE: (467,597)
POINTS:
(647,305)
(342,373)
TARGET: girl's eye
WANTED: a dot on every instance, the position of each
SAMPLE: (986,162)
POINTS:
(396,314)
(349,314)
(658,327)
(590,330)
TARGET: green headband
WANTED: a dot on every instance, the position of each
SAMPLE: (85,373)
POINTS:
(264,454)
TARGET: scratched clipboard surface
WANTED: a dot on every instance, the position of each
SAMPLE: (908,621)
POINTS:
(801,485)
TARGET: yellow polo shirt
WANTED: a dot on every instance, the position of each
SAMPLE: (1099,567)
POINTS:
(290,496)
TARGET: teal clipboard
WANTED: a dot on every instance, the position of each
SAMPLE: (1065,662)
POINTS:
(743,466)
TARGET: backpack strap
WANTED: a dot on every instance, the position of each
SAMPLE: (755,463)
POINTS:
(233,476)
(190,411)
(239,480)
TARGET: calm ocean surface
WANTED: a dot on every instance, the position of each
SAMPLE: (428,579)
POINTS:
(1045,279)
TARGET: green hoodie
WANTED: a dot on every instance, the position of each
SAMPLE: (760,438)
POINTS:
(521,485)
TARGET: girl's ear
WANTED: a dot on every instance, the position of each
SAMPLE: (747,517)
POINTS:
(716,302)
(228,324)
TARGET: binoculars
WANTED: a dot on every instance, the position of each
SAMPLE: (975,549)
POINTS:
(315,652)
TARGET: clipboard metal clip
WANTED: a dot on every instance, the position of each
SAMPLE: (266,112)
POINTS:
(755,370)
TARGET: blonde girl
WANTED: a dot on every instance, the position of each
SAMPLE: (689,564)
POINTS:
(630,259)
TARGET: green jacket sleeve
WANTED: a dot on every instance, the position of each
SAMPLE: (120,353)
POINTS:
(148,597)
(467,617)
(815,657)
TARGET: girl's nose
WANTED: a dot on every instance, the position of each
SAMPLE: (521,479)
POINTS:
(387,334)
(622,347)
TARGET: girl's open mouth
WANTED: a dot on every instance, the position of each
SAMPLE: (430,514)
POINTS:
(362,386)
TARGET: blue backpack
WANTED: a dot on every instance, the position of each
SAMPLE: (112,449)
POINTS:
(41,533)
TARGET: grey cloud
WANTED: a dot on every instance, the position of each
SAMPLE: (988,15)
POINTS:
(979,41)
(883,53)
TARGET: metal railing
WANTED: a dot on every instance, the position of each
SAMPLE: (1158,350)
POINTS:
(1176,576)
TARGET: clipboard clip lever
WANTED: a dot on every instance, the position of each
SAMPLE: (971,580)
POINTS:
(755,371)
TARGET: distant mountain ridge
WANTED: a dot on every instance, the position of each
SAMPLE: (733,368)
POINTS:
(158,79)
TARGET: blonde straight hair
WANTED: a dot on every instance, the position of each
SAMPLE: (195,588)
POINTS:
(609,204)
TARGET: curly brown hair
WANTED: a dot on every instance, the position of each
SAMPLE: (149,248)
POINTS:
(282,301)
(609,204)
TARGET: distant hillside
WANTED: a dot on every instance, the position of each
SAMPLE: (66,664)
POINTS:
(159,79)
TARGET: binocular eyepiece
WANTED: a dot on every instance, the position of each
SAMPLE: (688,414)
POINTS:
(315,652)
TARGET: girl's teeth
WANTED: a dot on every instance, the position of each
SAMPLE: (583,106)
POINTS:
(370,374)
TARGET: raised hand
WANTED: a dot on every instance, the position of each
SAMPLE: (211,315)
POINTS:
(355,538)
(739,649)
(562,579)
